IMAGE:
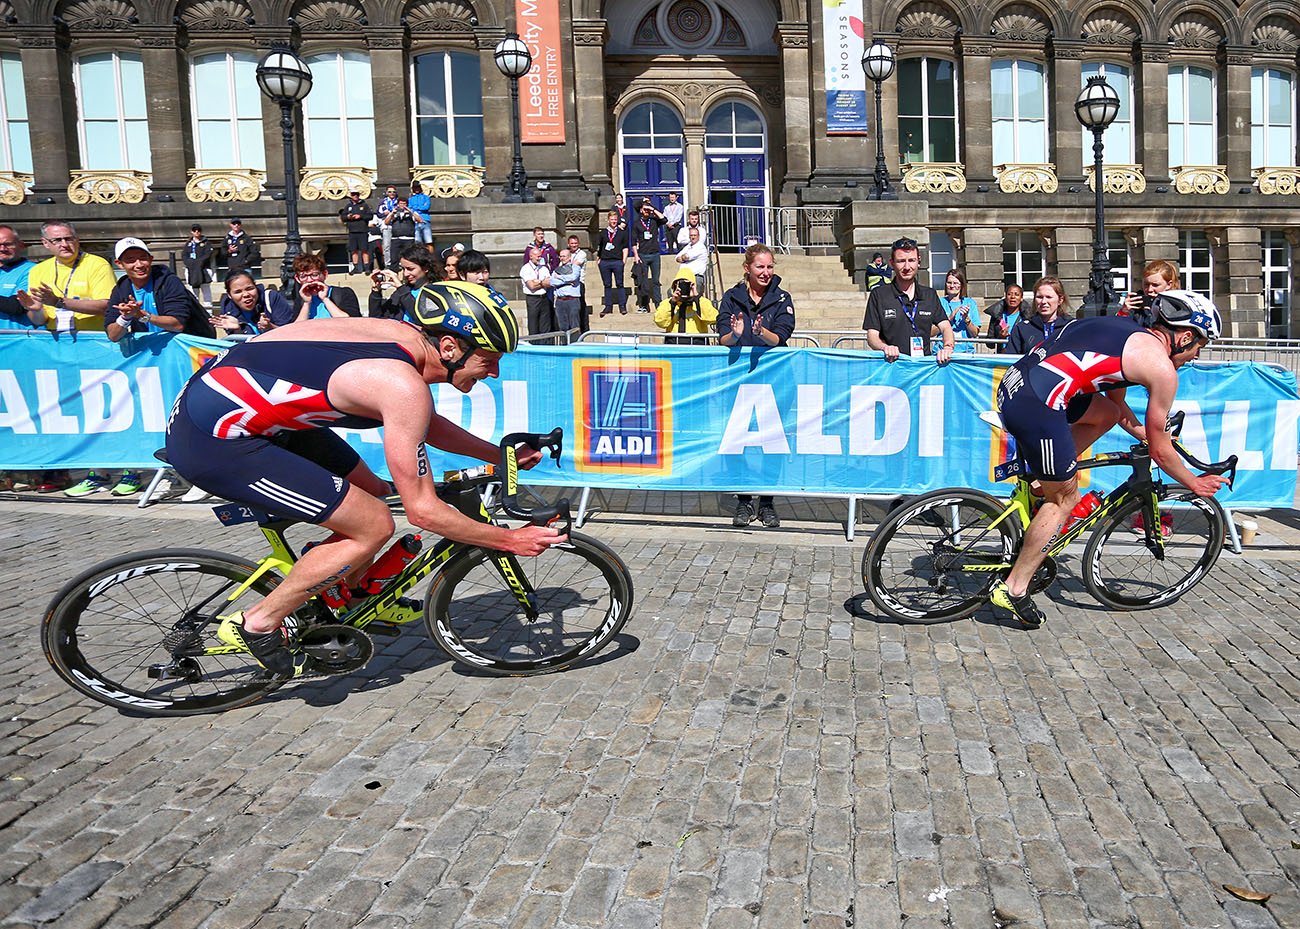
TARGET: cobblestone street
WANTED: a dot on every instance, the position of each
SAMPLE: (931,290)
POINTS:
(759,750)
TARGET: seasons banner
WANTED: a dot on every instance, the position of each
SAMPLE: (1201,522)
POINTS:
(671,418)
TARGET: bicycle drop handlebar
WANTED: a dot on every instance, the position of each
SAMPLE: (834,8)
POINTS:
(1174,425)
(556,516)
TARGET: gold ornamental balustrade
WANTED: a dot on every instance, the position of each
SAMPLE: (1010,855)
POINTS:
(335,183)
(1280,180)
(1117,179)
(107,187)
(934,177)
(1026,178)
(1200,179)
(224,186)
(14,187)
(447,181)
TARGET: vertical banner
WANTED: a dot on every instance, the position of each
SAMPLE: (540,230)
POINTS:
(846,83)
(541,90)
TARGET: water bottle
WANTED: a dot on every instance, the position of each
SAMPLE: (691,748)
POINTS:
(336,596)
(1081,509)
(388,565)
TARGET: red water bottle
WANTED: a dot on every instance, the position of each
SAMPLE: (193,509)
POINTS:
(336,596)
(1081,509)
(388,564)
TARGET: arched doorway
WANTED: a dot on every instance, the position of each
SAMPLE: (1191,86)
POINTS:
(651,153)
(735,157)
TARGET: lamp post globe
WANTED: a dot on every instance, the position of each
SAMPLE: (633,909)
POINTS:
(878,63)
(286,79)
(514,60)
(1096,108)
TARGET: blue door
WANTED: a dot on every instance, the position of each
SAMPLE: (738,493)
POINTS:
(736,186)
(653,176)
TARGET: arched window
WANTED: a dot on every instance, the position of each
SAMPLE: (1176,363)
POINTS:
(1118,137)
(927,110)
(15,143)
(112,125)
(1019,113)
(651,127)
(1191,116)
(227,112)
(339,111)
(1272,118)
(733,127)
(448,109)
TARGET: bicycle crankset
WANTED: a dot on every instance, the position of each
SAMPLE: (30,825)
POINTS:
(1044,577)
(335,649)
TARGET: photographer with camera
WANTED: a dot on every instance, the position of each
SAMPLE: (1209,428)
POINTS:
(1157,277)
(685,311)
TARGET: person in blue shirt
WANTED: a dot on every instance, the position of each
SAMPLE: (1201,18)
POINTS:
(386,206)
(149,298)
(249,308)
(14,268)
(315,298)
(962,311)
(418,203)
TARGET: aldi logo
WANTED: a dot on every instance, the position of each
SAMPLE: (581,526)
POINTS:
(624,416)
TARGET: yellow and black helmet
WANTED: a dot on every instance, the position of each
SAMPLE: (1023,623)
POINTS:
(477,314)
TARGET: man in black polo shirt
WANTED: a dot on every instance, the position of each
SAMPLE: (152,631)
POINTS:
(901,313)
(645,246)
(355,215)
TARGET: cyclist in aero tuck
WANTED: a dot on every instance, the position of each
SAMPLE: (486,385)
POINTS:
(1069,391)
(253,426)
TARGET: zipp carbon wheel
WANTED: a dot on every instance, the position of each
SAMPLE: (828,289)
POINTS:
(130,632)
(934,558)
(580,599)
(1127,571)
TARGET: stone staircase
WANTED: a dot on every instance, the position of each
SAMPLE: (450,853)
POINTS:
(824,295)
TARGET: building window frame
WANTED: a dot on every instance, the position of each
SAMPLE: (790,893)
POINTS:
(344,117)
(14,126)
(139,161)
(1186,124)
(1118,138)
(1196,274)
(1119,255)
(1018,122)
(659,141)
(453,117)
(257,159)
(1262,131)
(1024,259)
(927,118)
(1279,280)
(735,148)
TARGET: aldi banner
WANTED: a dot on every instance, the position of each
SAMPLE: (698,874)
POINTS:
(541,90)
(843,41)
(668,418)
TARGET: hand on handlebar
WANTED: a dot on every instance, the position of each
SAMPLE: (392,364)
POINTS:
(528,457)
(1207,485)
(528,541)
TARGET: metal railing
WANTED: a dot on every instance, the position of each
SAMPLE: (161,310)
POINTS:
(1285,353)
(782,228)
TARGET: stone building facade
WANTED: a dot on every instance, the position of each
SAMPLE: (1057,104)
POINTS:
(141,116)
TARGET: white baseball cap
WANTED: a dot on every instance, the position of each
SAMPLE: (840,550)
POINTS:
(128,243)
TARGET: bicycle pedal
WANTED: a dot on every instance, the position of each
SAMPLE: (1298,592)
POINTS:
(386,629)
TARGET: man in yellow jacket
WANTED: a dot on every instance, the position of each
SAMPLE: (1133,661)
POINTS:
(684,310)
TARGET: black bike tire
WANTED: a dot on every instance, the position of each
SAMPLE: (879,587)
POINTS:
(1094,578)
(1009,532)
(443,628)
(64,616)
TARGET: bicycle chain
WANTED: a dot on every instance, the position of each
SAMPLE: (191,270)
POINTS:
(333,649)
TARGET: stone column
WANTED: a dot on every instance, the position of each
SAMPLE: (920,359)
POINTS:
(498,134)
(393,149)
(1066,80)
(1151,112)
(168,106)
(592,114)
(977,115)
(1234,112)
(503,230)
(889,123)
(697,183)
(793,39)
(51,106)
(1073,262)
(1157,242)
(272,136)
(982,250)
(1243,310)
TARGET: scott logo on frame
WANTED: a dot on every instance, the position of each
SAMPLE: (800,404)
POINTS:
(624,416)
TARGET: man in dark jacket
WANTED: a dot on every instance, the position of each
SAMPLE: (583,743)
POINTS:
(355,216)
(151,298)
(400,225)
(196,255)
(239,248)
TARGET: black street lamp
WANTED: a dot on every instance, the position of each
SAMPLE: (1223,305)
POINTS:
(878,62)
(286,79)
(1096,108)
(514,59)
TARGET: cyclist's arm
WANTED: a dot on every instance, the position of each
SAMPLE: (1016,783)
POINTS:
(1128,420)
(1150,368)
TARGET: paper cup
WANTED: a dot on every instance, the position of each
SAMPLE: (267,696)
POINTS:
(1248,529)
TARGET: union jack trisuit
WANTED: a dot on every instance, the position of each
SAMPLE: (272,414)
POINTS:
(1052,385)
(252,426)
